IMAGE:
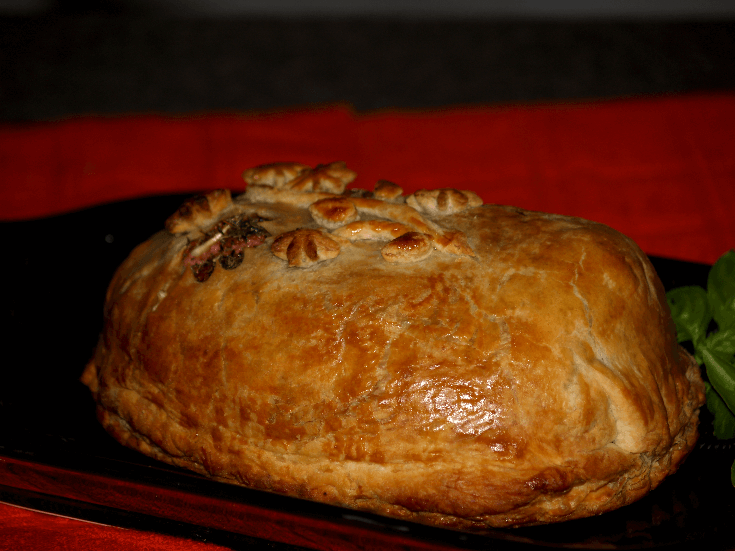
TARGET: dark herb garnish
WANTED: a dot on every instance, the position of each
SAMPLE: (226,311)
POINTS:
(226,242)
(203,271)
(232,255)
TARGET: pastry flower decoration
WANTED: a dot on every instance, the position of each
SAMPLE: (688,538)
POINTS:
(302,247)
(218,232)
(331,178)
(353,215)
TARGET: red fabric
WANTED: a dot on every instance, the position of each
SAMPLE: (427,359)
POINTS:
(22,529)
(661,170)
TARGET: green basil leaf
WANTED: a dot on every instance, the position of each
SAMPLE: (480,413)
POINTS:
(722,342)
(721,290)
(724,420)
(690,310)
(721,375)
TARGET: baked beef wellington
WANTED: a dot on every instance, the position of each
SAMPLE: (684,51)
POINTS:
(424,357)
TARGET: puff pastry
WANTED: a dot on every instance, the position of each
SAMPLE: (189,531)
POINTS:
(428,358)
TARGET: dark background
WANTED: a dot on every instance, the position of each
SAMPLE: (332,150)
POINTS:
(62,58)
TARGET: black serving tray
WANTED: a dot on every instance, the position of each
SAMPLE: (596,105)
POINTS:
(55,457)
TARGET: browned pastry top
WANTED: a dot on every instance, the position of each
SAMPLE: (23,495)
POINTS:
(429,358)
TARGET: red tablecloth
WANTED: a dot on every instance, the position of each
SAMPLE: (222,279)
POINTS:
(25,530)
(661,170)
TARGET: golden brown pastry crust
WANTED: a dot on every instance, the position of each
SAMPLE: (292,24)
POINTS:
(528,374)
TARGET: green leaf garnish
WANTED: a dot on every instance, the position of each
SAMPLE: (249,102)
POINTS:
(721,375)
(724,423)
(691,313)
(693,309)
(722,342)
(721,290)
